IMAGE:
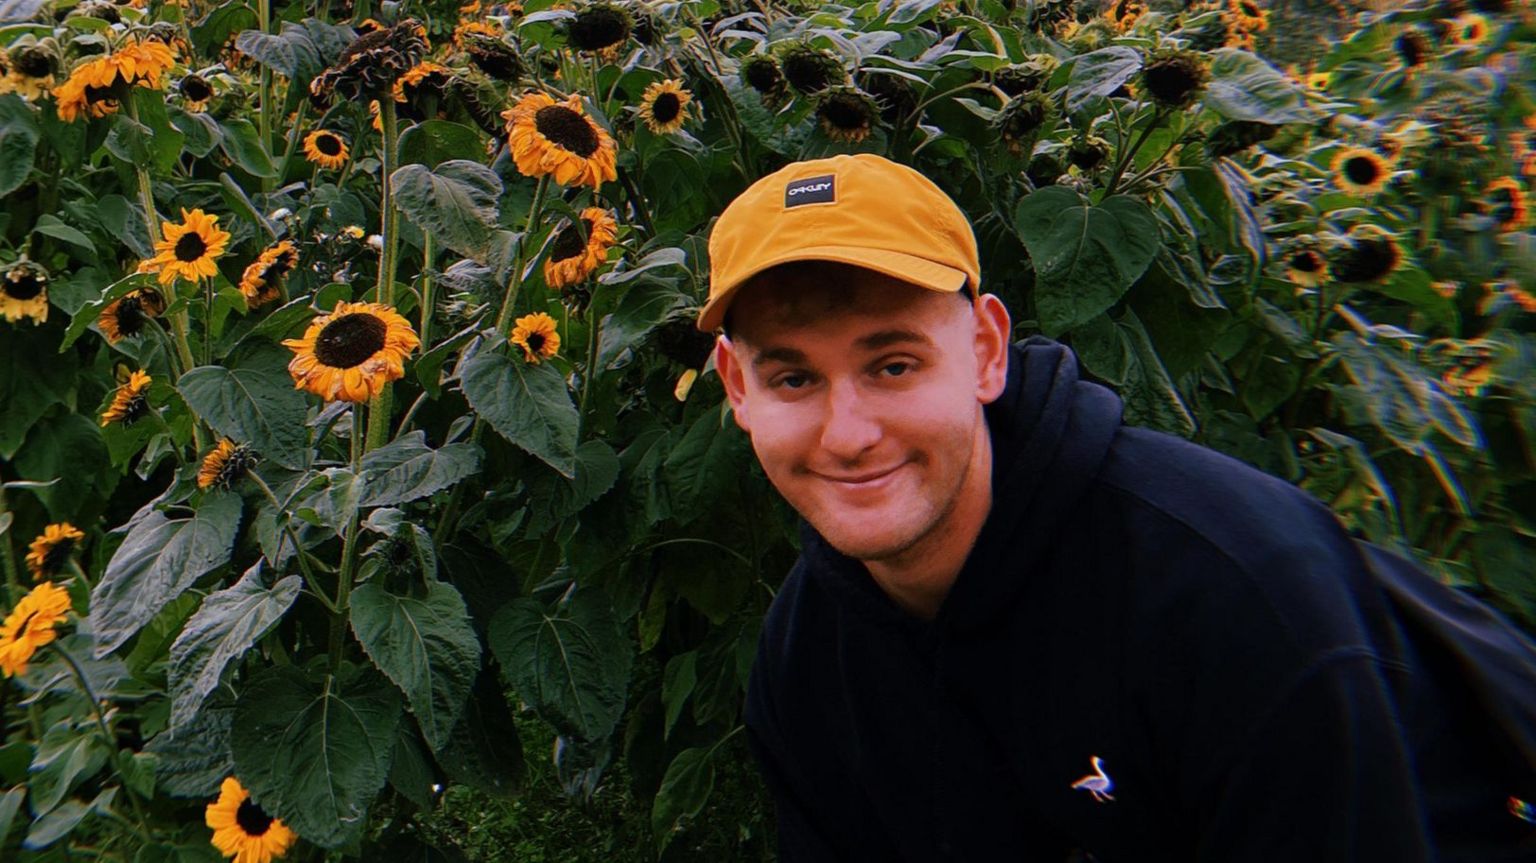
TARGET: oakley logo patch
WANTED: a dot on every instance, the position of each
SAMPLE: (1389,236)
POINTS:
(812,190)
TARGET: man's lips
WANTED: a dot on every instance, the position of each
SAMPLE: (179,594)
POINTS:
(860,479)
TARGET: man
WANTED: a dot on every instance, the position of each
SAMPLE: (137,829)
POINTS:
(1019,630)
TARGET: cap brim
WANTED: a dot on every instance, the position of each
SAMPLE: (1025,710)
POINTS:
(898,265)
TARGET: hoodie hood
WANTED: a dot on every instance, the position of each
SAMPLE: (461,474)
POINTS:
(1050,432)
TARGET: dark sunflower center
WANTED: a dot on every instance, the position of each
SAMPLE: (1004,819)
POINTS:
(666,107)
(1306,262)
(1249,9)
(252,821)
(329,145)
(846,114)
(190,247)
(195,88)
(34,64)
(566,129)
(1369,259)
(570,244)
(1361,170)
(278,268)
(1170,82)
(96,95)
(535,342)
(24,288)
(763,75)
(130,316)
(599,28)
(350,340)
(55,557)
(137,407)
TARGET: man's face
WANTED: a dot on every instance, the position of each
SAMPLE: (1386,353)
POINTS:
(863,399)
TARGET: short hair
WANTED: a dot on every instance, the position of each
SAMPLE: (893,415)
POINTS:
(800,270)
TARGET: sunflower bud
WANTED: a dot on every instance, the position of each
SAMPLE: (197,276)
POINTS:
(1032,74)
(846,113)
(599,27)
(1088,152)
(494,57)
(810,69)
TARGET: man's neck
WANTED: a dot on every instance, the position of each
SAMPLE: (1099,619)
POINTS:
(919,579)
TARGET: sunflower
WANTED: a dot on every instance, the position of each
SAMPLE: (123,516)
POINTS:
(24,292)
(127,315)
(599,27)
(1016,78)
(369,67)
(1468,30)
(846,113)
(88,90)
(762,74)
(468,29)
(31,72)
(664,106)
(1248,15)
(570,259)
(810,69)
(1467,379)
(1123,14)
(493,56)
(425,75)
(1174,78)
(129,402)
(1087,152)
(224,464)
(537,336)
(30,625)
(195,92)
(1359,171)
(144,62)
(262,281)
(1021,120)
(1412,46)
(1305,268)
(1520,297)
(48,553)
(189,249)
(549,137)
(1319,81)
(243,830)
(1504,200)
(351,353)
(325,148)
(1371,256)
(1447,288)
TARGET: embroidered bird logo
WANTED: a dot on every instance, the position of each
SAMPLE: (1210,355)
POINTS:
(1096,783)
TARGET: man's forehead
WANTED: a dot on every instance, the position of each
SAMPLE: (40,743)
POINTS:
(875,340)
(797,297)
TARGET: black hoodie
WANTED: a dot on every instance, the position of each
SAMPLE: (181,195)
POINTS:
(1152,653)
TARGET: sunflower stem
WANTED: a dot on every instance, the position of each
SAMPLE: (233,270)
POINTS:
(504,317)
(106,731)
(8,557)
(348,554)
(264,95)
(587,373)
(635,198)
(379,411)
(279,511)
(1124,162)
(181,458)
(428,255)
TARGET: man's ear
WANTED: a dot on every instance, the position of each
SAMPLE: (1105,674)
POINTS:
(733,376)
(992,332)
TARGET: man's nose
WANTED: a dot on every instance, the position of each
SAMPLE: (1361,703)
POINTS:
(851,426)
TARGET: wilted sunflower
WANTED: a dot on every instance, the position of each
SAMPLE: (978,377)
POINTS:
(1233,137)
(369,67)
(489,28)
(1123,14)
(846,113)
(243,830)
(24,292)
(571,259)
(1305,268)
(892,93)
(129,402)
(1022,119)
(1087,152)
(1359,171)
(1504,200)
(558,138)
(425,76)
(48,553)
(1016,78)
(1248,15)
(493,57)
(31,72)
(262,281)
(763,75)
(195,92)
(537,335)
(190,248)
(30,625)
(1371,256)
(1174,78)
(127,315)
(810,69)
(664,106)
(326,149)
(89,90)
(224,464)
(1469,30)
(599,27)
(1412,46)
(144,62)
(351,353)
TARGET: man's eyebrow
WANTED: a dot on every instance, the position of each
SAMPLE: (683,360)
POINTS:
(871,342)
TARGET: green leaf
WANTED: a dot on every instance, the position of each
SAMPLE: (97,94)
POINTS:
(224,627)
(67,447)
(52,226)
(484,751)
(433,142)
(572,664)
(242,144)
(641,308)
(315,754)
(251,399)
(1099,73)
(552,497)
(1151,399)
(456,203)
(676,685)
(55,825)
(160,558)
(1245,87)
(193,760)
(528,404)
(151,140)
(124,220)
(684,790)
(202,132)
(10,804)
(426,645)
(298,52)
(66,757)
(27,397)
(406,469)
(1085,256)
(703,468)
(18,145)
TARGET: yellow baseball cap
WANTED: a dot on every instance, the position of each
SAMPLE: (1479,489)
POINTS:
(863,210)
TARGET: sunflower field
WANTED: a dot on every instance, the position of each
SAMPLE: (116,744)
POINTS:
(367,491)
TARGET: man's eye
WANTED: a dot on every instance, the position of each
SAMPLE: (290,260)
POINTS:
(791,381)
(897,369)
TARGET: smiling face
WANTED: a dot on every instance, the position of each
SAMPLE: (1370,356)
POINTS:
(863,398)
